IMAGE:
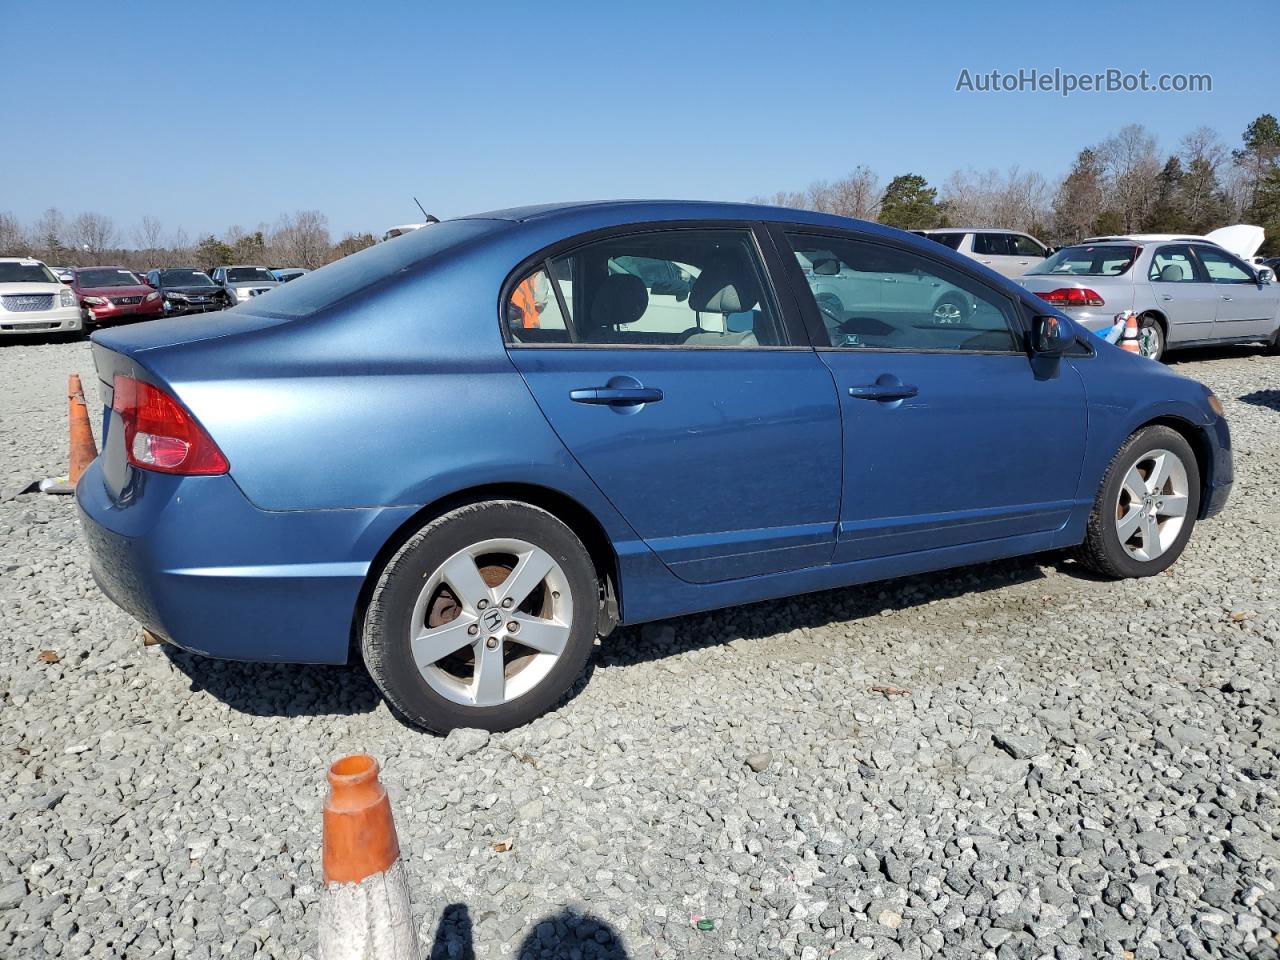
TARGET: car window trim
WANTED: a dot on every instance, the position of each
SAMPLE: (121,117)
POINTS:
(789,325)
(809,309)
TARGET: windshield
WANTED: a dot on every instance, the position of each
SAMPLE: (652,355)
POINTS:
(107,277)
(25,271)
(185,278)
(1109,260)
(249,274)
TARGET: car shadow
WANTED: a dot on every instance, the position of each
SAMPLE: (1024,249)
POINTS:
(1223,352)
(279,690)
(566,934)
(1263,398)
(631,645)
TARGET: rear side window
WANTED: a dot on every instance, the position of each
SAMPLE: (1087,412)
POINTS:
(992,244)
(951,240)
(873,297)
(671,288)
(1172,265)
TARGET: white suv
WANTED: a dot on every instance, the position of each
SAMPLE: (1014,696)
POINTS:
(33,300)
(1007,252)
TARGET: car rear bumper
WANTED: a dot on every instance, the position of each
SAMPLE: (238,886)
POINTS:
(194,562)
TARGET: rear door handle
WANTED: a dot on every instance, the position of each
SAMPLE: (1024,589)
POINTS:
(1166,296)
(1226,297)
(616,395)
(884,391)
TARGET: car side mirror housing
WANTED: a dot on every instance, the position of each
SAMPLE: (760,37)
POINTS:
(1051,336)
(1265,275)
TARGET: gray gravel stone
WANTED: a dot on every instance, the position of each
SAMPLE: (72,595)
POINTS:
(1081,768)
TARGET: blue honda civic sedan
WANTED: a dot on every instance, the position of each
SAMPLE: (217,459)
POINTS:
(464,455)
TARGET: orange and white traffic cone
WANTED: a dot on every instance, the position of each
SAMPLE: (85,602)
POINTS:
(1130,340)
(82,448)
(364,910)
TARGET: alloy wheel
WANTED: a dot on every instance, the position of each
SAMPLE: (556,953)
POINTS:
(491,622)
(1151,340)
(947,312)
(1152,504)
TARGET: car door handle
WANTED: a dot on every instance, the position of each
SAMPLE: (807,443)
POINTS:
(884,391)
(1166,296)
(1225,297)
(984,261)
(616,395)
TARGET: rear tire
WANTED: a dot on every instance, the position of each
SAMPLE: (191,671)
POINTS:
(1151,338)
(1146,506)
(449,649)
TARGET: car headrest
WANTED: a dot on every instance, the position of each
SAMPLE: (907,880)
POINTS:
(620,298)
(726,285)
(1171,273)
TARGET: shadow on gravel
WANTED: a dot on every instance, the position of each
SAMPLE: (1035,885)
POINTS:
(1225,352)
(567,935)
(279,690)
(1263,398)
(631,645)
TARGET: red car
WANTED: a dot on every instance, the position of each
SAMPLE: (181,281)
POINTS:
(114,294)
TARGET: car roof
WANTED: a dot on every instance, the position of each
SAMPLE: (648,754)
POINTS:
(588,214)
(22,260)
(970,230)
(242,266)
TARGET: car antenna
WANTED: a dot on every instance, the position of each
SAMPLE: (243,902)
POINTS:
(426,217)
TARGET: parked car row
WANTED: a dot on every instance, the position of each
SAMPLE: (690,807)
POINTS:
(36,298)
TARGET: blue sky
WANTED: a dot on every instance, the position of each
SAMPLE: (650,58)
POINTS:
(232,112)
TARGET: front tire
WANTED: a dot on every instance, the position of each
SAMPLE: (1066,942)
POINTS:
(1146,506)
(484,618)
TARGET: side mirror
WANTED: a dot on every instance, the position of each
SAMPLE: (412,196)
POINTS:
(1265,275)
(67,280)
(1051,336)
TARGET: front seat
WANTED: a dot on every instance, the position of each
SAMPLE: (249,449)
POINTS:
(1171,273)
(726,285)
(619,298)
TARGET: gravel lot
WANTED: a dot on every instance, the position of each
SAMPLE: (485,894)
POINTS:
(1005,761)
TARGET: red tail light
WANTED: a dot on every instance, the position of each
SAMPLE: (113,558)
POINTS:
(159,435)
(1072,297)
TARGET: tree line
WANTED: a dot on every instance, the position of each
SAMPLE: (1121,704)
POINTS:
(1124,184)
(300,239)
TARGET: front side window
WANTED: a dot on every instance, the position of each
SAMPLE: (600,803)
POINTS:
(992,244)
(1173,265)
(1222,267)
(671,288)
(1026,247)
(873,297)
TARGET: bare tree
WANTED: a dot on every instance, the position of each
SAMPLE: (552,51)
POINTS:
(94,234)
(1016,200)
(857,194)
(147,233)
(303,239)
(13,238)
(50,234)
(1132,166)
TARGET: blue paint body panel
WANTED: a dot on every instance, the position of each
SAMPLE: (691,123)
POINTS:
(756,476)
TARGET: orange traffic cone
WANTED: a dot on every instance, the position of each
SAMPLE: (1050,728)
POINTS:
(83,449)
(1130,340)
(364,910)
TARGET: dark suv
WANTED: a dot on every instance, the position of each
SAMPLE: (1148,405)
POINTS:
(188,290)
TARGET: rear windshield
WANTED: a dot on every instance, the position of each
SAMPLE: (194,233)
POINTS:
(1109,260)
(16,271)
(344,278)
(109,277)
(249,275)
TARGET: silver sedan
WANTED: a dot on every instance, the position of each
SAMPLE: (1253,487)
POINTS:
(1186,292)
